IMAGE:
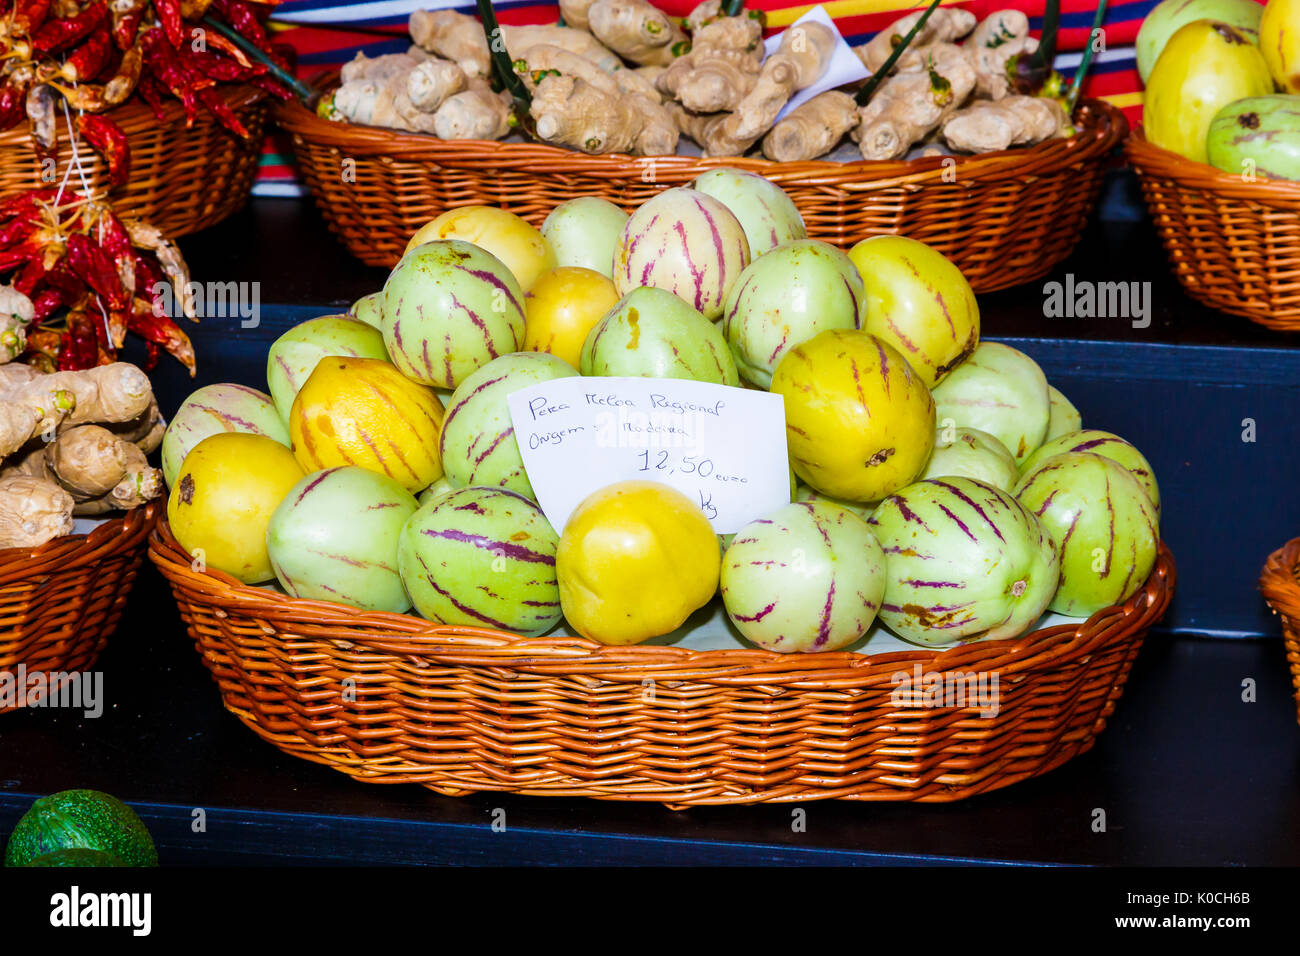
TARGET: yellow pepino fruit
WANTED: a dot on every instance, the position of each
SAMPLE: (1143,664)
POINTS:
(225,493)
(634,561)
(1279,42)
(562,307)
(518,244)
(360,411)
(859,421)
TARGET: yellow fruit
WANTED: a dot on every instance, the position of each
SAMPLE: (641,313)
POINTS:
(561,308)
(634,561)
(918,302)
(859,422)
(1205,66)
(1279,42)
(521,247)
(225,493)
(360,411)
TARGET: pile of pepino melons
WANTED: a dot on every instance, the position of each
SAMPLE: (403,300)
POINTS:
(939,485)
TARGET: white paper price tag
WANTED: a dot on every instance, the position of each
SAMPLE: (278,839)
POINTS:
(723,447)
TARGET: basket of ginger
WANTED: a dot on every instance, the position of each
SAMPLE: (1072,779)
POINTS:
(78,499)
(622,101)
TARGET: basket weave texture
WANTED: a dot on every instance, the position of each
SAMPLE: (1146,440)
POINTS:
(1280,582)
(393,698)
(60,602)
(1233,244)
(1004,218)
(182,180)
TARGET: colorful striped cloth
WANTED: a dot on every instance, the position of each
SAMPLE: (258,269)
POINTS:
(328,33)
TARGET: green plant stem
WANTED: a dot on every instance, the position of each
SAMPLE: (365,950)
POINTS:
(731,8)
(303,91)
(502,66)
(868,88)
(1082,72)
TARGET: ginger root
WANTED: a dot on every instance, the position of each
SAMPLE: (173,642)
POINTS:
(992,125)
(800,60)
(813,129)
(16,313)
(574,13)
(637,31)
(908,107)
(722,66)
(943,26)
(459,38)
(90,461)
(32,511)
(998,38)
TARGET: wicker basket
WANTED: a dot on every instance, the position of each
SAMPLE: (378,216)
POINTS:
(60,602)
(1004,218)
(1280,582)
(1234,245)
(182,180)
(393,698)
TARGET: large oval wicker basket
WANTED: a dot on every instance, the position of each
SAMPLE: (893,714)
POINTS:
(1280,582)
(60,602)
(1234,244)
(393,698)
(1004,218)
(182,179)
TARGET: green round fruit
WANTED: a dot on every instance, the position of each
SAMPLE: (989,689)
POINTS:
(294,355)
(808,577)
(972,453)
(999,390)
(334,538)
(766,213)
(478,438)
(784,298)
(963,560)
(367,309)
(1065,418)
(1108,446)
(1166,18)
(81,819)
(78,857)
(482,557)
(1103,524)
(861,509)
(652,333)
(584,233)
(449,308)
(435,491)
(1259,136)
(213,409)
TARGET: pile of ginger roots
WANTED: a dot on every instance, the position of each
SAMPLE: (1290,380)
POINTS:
(73,443)
(621,76)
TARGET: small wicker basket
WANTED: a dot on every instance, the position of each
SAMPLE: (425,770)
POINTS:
(1004,218)
(60,602)
(1234,244)
(182,179)
(1280,582)
(393,698)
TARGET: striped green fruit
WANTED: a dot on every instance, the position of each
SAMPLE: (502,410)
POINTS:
(765,211)
(999,390)
(808,577)
(478,438)
(1102,521)
(80,820)
(1108,446)
(213,409)
(971,453)
(1064,418)
(482,557)
(449,308)
(295,355)
(963,560)
(654,334)
(1257,136)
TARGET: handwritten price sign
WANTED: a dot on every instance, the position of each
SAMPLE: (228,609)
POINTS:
(723,447)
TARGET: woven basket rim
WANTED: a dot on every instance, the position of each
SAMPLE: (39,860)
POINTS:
(1280,580)
(1148,159)
(134,113)
(1103,128)
(82,548)
(408,634)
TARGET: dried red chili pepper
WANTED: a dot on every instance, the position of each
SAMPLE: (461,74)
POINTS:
(28,16)
(43,306)
(126,21)
(19,229)
(30,276)
(13,102)
(79,347)
(124,82)
(146,322)
(59,35)
(107,139)
(93,266)
(151,92)
(169,18)
(88,60)
(271,85)
(213,101)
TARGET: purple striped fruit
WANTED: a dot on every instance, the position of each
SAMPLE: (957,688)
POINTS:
(1064,417)
(213,409)
(294,355)
(1104,526)
(784,298)
(973,454)
(808,577)
(861,509)
(653,334)
(584,232)
(478,438)
(686,243)
(768,216)
(435,491)
(999,390)
(449,308)
(482,557)
(963,560)
(1259,135)
(1108,446)
(334,538)
(367,308)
